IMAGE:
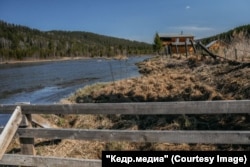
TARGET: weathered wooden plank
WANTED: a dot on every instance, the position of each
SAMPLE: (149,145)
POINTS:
(27,143)
(205,49)
(186,49)
(150,108)
(10,130)
(192,42)
(29,160)
(40,121)
(185,136)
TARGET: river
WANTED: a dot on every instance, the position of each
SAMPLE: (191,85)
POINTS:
(48,82)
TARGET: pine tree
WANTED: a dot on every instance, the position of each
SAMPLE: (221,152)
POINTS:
(157,43)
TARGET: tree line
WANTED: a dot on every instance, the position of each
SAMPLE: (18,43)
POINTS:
(229,35)
(20,42)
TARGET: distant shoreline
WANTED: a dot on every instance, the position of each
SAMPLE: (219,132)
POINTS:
(118,57)
(42,60)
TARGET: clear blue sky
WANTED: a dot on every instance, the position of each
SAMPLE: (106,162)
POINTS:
(131,19)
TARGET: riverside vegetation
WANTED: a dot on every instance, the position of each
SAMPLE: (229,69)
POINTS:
(163,79)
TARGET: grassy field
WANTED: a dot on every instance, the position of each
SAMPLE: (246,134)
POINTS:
(163,79)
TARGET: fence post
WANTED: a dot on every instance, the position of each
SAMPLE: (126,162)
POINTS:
(170,50)
(27,144)
(225,53)
(10,130)
(236,56)
(186,49)
(242,58)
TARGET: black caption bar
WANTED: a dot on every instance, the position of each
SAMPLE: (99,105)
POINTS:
(175,158)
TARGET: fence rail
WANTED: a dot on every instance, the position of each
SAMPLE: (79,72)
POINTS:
(177,136)
(27,133)
(30,160)
(151,108)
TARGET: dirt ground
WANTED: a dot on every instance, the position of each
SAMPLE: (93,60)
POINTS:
(196,78)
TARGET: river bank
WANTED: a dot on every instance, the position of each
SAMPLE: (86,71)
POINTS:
(163,79)
(41,60)
(175,79)
(48,82)
(28,61)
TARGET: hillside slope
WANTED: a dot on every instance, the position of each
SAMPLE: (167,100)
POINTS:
(19,43)
(233,44)
(231,35)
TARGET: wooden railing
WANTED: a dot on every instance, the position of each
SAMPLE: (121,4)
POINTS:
(27,134)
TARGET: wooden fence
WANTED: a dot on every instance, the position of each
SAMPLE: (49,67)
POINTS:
(22,117)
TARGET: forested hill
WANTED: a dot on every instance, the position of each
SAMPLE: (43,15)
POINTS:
(20,43)
(229,36)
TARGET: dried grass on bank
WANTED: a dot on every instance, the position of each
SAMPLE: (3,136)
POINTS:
(164,79)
